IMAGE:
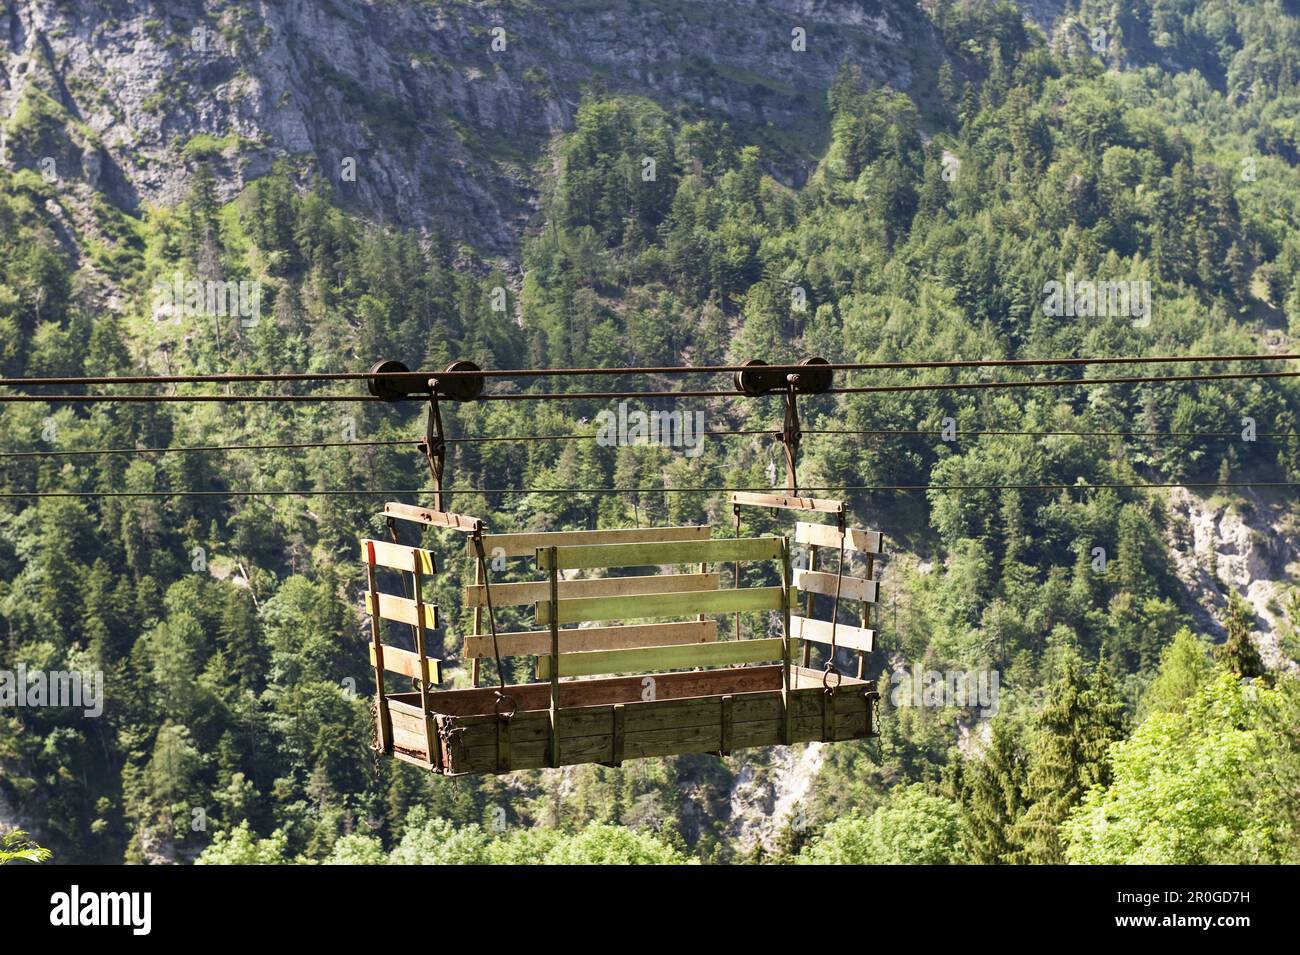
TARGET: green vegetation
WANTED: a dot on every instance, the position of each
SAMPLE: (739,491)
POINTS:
(15,846)
(236,725)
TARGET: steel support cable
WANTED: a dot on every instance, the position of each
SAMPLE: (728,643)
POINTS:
(423,376)
(1262,436)
(715,393)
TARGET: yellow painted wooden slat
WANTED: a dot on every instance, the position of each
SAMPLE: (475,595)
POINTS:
(675,552)
(525,544)
(408,664)
(828,535)
(851,588)
(652,659)
(787,502)
(662,605)
(402,610)
(531,591)
(397,556)
(538,642)
(819,631)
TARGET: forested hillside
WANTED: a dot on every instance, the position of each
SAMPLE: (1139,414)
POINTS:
(1147,707)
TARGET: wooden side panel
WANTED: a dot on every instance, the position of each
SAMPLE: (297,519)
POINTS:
(663,605)
(828,535)
(661,728)
(851,588)
(819,631)
(532,591)
(651,659)
(787,502)
(538,642)
(402,610)
(408,734)
(678,552)
(526,544)
(407,663)
(398,557)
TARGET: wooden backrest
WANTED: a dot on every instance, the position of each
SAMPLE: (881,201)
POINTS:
(660,646)
(824,538)
(538,642)
(419,615)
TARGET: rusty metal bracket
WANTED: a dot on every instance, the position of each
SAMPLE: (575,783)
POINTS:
(757,379)
(434,446)
(392,381)
(791,436)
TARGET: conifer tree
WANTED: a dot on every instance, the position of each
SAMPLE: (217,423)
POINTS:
(1239,653)
(993,796)
(1080,719)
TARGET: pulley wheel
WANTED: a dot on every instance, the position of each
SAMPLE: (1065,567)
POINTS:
(756,379)
(389,389)
(813,379)
(461,387)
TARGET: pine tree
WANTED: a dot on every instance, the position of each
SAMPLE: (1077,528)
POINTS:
(1079,721)
(993,796)
(1239,653)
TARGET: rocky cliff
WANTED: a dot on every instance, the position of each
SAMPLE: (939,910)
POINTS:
(418,113)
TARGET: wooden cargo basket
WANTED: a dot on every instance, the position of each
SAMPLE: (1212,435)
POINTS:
(673,704)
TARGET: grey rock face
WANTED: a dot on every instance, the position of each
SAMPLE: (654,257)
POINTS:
(419,113)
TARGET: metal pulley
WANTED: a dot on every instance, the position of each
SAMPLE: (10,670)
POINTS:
(814,376)
(392,381)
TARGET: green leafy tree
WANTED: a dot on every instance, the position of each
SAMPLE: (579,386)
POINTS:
(1184,668)
(1181,793)
(910,828)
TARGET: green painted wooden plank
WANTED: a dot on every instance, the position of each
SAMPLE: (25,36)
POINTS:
(653,659)
(640,606)
(671,552)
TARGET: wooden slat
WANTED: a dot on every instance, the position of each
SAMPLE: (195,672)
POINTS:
(663,605)
(788,503)
(464,703)
(828,535)
(402,610)
(650,659)
(408,664)
(851,588)
(412,741)
(425,515)
(525,544)
(678,552)
(819,631)
(398,557)
(531,591)
(538,642)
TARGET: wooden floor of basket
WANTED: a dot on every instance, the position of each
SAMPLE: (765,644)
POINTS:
(614,719)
